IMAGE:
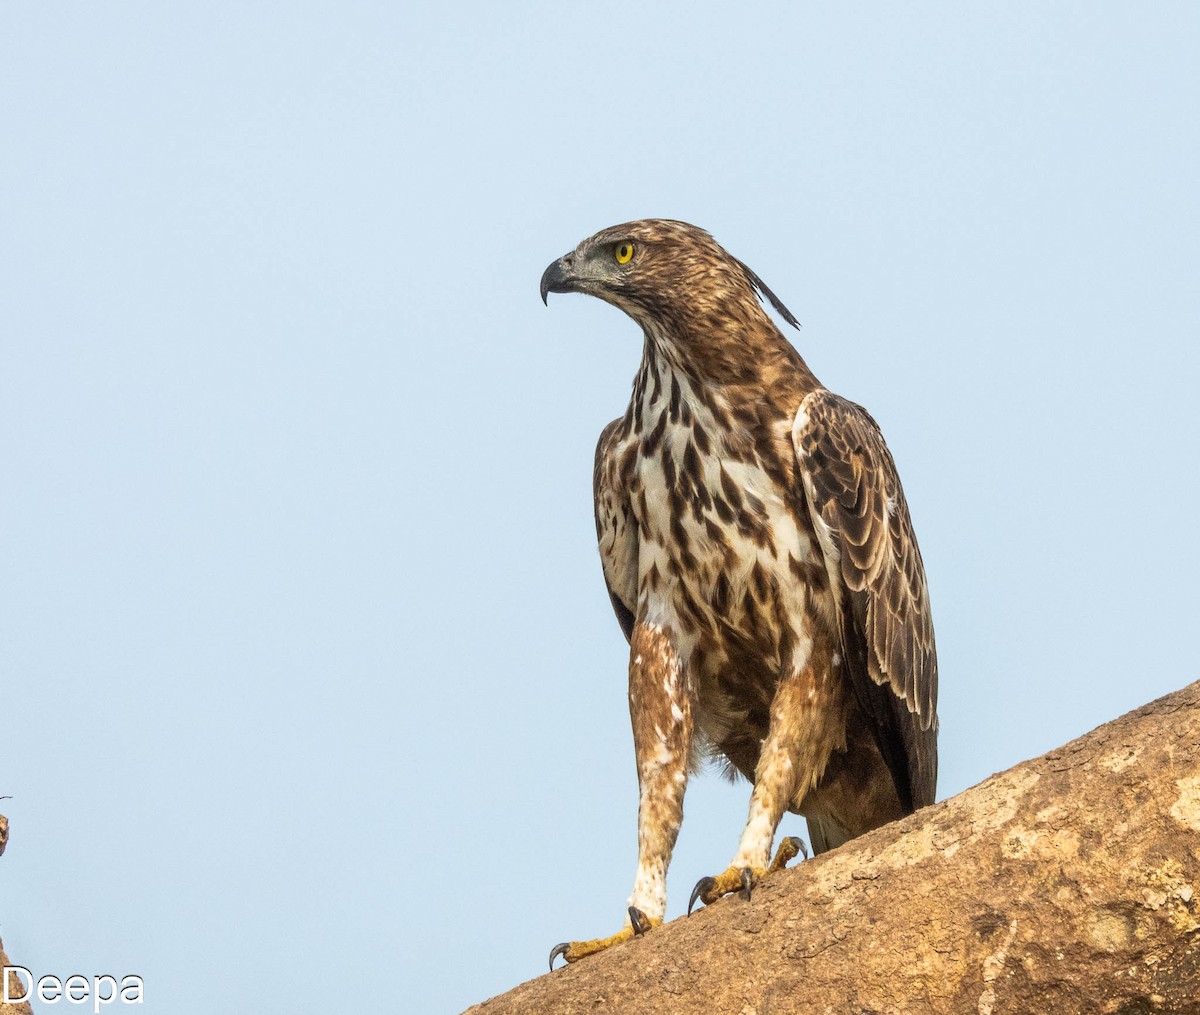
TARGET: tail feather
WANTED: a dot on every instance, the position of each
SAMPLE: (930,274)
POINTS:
(825,834)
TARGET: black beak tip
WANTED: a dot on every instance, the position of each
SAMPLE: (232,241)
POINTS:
(547,282)
(555,279)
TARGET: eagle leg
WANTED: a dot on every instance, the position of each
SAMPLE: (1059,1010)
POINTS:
(637,924)
(807,724)
(660,709)
(743,879)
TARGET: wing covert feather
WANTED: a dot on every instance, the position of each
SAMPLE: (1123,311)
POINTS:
(863,525)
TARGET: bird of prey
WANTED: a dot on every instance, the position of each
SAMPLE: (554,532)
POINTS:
(757,547)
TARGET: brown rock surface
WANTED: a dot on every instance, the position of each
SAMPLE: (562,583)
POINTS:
(14,988)
(1070,883)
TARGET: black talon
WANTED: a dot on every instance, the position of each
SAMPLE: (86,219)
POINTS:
(702,886)
(556,951)
(747,880)
(801,848)
(638,919)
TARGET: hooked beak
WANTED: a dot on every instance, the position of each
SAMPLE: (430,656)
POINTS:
(558,277)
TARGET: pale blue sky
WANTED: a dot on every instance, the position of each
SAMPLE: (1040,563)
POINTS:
(309,680)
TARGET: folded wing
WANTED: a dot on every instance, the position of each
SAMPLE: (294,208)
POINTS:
(863,526)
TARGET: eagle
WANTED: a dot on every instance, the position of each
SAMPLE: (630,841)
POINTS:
(758,551)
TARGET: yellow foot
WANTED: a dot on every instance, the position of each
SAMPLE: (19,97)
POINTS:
(743,879)
(573,951)
(788,850)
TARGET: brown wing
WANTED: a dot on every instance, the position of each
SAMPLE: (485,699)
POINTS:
(861,516)
(613,531)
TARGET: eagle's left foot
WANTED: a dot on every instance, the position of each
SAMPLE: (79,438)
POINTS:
(708,890)
(743,879)
(791,847)
(572,951)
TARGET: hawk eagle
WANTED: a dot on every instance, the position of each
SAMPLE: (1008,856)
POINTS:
(757,547)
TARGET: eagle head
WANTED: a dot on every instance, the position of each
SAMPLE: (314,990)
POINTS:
(658,271)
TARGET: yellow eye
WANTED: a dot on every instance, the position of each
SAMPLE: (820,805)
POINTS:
(623,252)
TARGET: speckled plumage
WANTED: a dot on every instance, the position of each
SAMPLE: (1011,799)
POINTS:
(757,547)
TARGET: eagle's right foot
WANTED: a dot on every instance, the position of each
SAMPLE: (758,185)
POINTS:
(573,951)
